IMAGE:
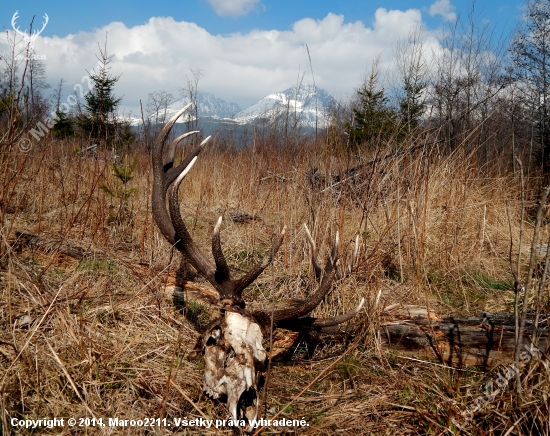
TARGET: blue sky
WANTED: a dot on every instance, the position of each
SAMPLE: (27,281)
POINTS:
(244,49)
(72,17)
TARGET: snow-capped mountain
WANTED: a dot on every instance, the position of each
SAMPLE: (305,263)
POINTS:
(208,106)
(302,106)
(306,104)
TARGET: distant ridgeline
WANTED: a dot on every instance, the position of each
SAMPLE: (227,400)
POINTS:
(302,108)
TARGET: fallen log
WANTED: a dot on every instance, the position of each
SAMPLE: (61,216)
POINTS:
(483,340)
(54,245)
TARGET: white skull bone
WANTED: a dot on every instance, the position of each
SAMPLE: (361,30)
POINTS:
(234,362)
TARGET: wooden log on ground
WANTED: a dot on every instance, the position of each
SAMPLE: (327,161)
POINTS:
(485,340)
(54,245)
(51,244)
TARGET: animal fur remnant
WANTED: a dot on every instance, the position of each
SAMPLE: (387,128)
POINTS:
(235,358)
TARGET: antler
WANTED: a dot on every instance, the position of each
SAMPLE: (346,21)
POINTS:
(234,356)
(44,24)
(167,180)
(13,21)
(332,259)
(294,317)
(35,33)
(172,226)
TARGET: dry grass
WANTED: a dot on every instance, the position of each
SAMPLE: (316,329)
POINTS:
(98,338)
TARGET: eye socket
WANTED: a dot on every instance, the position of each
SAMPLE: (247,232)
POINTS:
(214,337)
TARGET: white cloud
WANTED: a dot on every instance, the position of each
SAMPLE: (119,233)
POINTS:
(443,8)
(241,67)
(233,7)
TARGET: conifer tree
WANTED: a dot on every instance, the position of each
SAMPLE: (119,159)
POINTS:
(374,118)
(100,103)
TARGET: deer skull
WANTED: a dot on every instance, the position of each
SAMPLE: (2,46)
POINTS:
(234,361)
(234,356)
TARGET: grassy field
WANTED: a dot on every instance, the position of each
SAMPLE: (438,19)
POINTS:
(99,336)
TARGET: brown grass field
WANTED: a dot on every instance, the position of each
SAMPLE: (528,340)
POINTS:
(100,337)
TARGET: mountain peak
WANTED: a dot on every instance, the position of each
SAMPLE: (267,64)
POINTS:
(307,104)
(302,105)
(209,105)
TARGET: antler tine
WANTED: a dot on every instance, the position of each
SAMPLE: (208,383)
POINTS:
(334,252)
(173,173)
(45,23)
(222,270)
(314,259)
(331,261)
(169,161)
(162,177)
(160,141)
(345,272)
(294,317)
(330,322)
(333,258)
(253,274)
(330,273)
(298,310)
(14,19)
(325,325)
(185,243)
(354,255)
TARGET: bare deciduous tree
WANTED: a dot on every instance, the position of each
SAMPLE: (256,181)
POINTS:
(157,106)
(530,52)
